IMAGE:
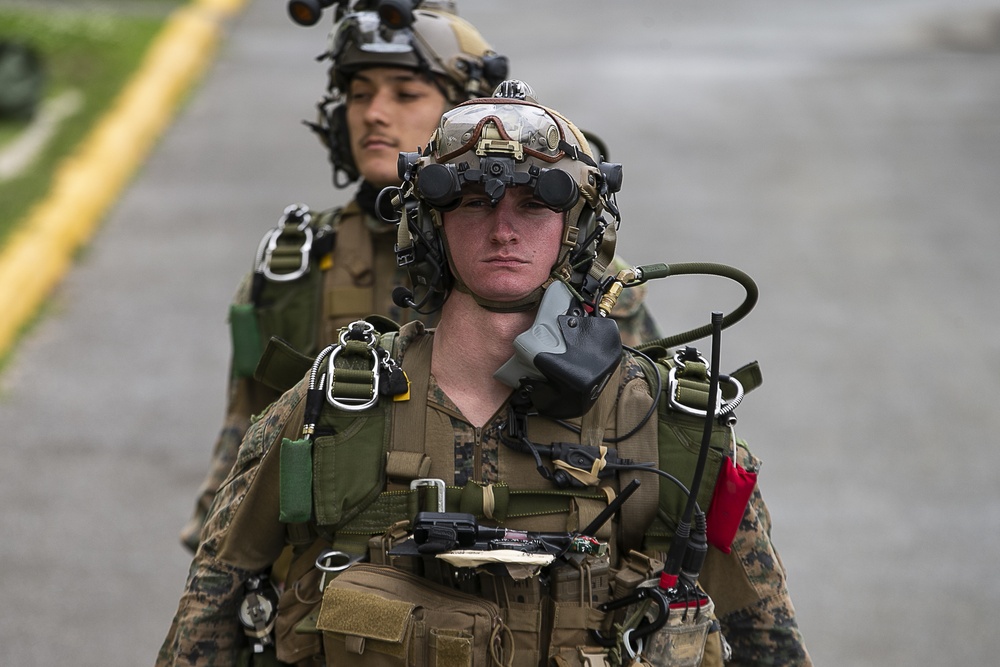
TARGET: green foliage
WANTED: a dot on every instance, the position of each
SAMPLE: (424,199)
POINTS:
(91,50)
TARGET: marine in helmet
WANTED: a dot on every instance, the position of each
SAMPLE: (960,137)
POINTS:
(483,469)
(393,70)
(319,270)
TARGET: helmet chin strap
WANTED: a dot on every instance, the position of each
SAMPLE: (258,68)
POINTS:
(519,306)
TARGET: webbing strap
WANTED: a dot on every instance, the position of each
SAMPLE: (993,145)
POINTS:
(692,385)
(594,422)
(638,513)
(407,466)
(355,366)
(290,252)
(409,417)
(401,505)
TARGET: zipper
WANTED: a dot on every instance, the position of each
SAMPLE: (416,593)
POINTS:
(477,455)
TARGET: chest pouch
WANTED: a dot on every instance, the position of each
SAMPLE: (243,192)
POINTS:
(284,294)
(378,615)
(337,468)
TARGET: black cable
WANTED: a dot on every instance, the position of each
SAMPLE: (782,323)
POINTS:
(642,422)
(663,474)
(679,544)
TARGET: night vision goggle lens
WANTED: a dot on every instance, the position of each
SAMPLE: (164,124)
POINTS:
(557,189)
(396,14)
(439,186)
(307,12)
(364,30)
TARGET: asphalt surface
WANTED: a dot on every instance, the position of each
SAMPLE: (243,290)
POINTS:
(844,154)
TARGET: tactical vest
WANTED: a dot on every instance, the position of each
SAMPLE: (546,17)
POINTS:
(352,489)
(311,279)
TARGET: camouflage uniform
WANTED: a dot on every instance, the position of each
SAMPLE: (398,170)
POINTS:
(359,277)
(362,263)
(243,536)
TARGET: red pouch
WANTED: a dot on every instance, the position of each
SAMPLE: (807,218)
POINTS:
(729,502)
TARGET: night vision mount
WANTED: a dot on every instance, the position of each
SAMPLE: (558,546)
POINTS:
(440,185)
(393,14)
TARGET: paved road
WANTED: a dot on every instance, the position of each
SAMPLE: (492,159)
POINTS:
(846,156)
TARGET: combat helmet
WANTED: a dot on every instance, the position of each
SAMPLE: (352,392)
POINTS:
(499,142)
(425,36)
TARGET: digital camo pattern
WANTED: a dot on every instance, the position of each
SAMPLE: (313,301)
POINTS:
(239,407)
(206,630)
(764,633)
(236,423)
(476,449)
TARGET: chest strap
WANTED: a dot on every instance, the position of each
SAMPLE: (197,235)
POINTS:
(409,418)
(495,502)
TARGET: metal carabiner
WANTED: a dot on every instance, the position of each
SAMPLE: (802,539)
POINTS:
(298,212)
(722,407)
(359,328)
(627,641)
(348,403)
(352,404)
(344,560)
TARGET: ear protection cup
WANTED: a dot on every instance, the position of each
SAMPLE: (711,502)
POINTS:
(331,129)
(339,144)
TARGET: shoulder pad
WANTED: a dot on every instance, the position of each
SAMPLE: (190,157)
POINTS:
(281,365)
(382,324)
(749,376)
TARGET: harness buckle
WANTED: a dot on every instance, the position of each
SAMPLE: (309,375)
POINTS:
(723,408)
(363,331)
(428,481)
(299,216)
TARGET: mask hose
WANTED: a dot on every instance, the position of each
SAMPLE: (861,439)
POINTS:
(641,274)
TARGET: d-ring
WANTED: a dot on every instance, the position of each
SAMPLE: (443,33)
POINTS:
(341,559)
(627,640)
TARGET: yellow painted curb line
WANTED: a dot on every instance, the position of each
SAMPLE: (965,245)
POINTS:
(89,182)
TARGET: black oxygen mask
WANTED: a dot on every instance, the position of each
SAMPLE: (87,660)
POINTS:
(564,360)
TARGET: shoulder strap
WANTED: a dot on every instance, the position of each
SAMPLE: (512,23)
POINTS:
(640,510)
(409,417)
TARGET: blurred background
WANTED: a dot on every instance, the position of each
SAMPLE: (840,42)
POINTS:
(846,155)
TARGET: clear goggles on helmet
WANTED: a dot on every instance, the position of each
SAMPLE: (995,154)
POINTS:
(365,32)
(521,130)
